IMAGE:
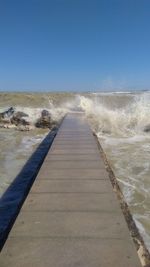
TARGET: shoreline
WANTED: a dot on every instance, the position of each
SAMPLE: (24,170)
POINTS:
(142,251)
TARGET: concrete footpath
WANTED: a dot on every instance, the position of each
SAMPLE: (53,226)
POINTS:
(71,217)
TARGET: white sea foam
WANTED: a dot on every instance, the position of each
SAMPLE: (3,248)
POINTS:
(106,117)
(126,121)
(27,143)
(139,222)
(56,112)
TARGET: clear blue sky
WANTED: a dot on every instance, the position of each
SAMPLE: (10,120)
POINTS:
(74,44)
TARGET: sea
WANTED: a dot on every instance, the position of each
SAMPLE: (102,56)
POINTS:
(121,121)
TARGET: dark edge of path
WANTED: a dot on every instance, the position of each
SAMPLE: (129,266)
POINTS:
(141,248)
(15,195)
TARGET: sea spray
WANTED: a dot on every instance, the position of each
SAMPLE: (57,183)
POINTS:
(124,121)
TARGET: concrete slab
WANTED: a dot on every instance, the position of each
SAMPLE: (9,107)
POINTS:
(75,174)
(86,164)
(73,132)
(70,224)
(76,150)
(75,145)
(75,157)
(71,202)
(74,138)
(93,186)
(64,135)
(67,252)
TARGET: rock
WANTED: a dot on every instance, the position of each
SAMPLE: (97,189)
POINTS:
(147,128)
(7,126)
(45,120)
(11,119)
(19,121)
(8,113)
(45,113)
(43,123)
(24,128)
(21,114)
(5,121)
(18,118)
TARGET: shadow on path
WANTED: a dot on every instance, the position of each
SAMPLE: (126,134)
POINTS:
(13,198)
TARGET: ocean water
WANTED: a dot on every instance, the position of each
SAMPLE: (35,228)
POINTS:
(118,119)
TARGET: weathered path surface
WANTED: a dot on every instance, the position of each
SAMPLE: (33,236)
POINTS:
(71,217)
